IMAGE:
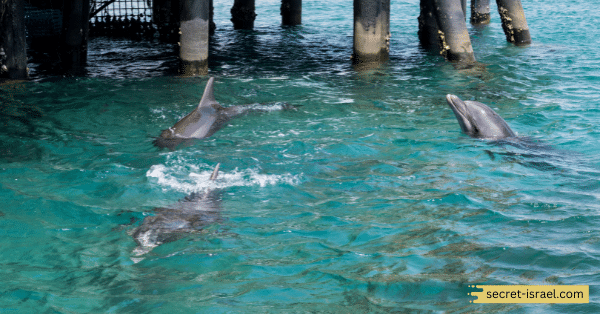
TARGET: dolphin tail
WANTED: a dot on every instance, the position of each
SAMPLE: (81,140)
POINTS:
(208,98)
(215,173)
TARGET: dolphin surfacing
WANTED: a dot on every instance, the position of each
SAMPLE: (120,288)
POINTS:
(204,120)
(190,215)
(478,120)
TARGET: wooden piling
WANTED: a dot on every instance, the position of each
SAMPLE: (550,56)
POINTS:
(291,12)
(243,14)
(480,12)
(193,38)
(453,35)
(75,31)
(371,31)
(514,22)
(428,28)
(13,51)
(463,3)
(442,27)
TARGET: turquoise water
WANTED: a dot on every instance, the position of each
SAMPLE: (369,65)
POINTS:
(367,198)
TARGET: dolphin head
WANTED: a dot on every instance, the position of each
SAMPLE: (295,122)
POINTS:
(478,120)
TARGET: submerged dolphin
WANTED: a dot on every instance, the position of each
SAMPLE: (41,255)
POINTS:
(190,215)
(478,120)
(203,121)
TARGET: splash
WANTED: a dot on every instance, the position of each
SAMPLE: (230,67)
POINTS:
(190,179)
(270,107)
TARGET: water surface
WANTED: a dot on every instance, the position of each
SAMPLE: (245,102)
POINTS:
(367,198)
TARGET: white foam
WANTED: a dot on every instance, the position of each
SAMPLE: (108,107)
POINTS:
(180,179)
(278,106)
(160,112)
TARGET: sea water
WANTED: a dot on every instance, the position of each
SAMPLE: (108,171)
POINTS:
(365,198)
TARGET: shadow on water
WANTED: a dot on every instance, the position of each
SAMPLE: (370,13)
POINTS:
(19,124)
(293,50)
(534,154)
(52,120)
(112,58)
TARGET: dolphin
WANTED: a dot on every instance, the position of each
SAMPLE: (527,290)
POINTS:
(190,215)
(204,120)
(478,120)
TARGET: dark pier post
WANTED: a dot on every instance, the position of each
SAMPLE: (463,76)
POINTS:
(442,25)
(454,38)
(371,31)
(193,40)
(13,52)
(428,27)
(291,12)
(480,12)
(514,22)
(242,14)
(76,21)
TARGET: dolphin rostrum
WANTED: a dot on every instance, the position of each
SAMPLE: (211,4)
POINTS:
(203,121)
(478,120)
(190,215)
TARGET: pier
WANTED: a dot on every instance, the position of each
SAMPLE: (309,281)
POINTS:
(63,27)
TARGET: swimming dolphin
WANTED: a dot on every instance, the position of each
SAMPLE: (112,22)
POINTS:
(478,120)
(190,215)
(205,120)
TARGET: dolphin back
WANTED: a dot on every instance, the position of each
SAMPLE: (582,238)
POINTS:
(207,118)
(200,123)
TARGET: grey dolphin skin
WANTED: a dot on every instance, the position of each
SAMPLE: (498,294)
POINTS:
(190,215)
(203,121)
(478,120)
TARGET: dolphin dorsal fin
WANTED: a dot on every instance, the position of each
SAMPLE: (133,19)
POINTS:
(208,98)
(215,173)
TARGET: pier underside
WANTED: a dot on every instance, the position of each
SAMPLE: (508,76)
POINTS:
(61,28)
